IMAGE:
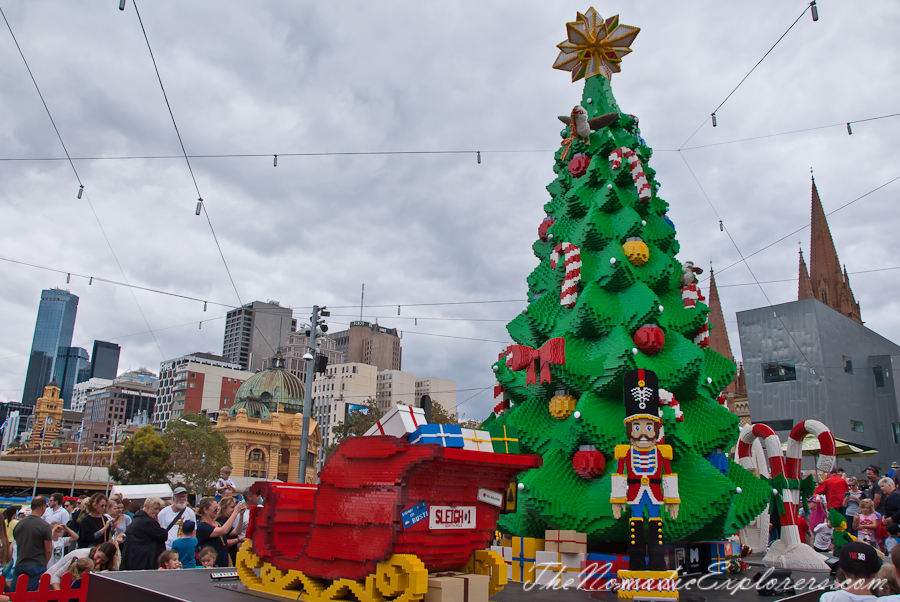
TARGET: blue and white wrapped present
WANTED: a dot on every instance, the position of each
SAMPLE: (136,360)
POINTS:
(445,435)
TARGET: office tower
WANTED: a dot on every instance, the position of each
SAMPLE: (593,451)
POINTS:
(296,345)
(370,344)
(53,330)
(105,360)
(254,332)
(70,362)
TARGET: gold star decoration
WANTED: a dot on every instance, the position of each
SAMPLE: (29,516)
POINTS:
(595,46)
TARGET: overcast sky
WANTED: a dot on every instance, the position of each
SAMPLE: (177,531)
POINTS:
(302,77)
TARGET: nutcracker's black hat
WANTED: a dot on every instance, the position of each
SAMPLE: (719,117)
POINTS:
(641,395)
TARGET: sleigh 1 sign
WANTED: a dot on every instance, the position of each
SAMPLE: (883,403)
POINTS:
(451,517)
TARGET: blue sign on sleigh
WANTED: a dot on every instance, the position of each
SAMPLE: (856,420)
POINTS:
(411,516)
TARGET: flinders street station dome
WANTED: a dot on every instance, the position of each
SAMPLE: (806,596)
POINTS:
(267,391)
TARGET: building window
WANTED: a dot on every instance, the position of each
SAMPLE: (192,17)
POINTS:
(824,297)
(848,365)
(779,425)
(856,426)
(879,376)
(895,431)
(777,372)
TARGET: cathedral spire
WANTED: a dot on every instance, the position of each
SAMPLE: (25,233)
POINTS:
(718,335)
(804,288)
(827,281)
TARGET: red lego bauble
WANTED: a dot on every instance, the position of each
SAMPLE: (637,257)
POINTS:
(650,339)
(578,166)
(589,464)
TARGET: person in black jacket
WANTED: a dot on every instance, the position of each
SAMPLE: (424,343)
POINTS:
(95,528)
(145,540)
(891,501)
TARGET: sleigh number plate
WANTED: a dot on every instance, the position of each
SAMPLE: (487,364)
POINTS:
(451,517)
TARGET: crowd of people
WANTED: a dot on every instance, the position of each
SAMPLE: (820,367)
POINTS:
(59,535)
(870,509)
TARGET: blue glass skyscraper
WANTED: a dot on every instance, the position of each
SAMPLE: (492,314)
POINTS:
(53,330)
(70,362)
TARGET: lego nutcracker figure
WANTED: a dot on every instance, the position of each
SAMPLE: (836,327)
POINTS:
(644,479)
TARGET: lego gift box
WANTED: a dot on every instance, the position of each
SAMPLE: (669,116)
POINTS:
(505,439)
(457,587)
(445,435)
(524,556)
(567,542)
(599,572)
(477,440)
(399,421)
(558,569)
(714,555)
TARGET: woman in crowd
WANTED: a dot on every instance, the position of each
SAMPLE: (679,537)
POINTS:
(234,539)
(210,533)
(851,502)
(95,528)
(116,511)
(103,556)
(145,539)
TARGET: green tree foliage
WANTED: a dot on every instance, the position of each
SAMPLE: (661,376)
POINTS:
(439,415)
(145,458)
(198,452)
(600,211)
(356,424)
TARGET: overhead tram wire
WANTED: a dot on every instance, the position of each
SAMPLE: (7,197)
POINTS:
(808,6)
(749,269)
(81,191)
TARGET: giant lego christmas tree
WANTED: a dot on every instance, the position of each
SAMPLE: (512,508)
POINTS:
(609,296)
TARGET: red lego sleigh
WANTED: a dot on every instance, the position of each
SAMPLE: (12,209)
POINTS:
(346,535)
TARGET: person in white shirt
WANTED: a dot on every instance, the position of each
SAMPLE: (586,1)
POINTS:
(55,513)
(251,499)
(167,516)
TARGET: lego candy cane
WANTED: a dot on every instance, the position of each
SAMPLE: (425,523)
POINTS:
(569,293)
(637,170)
(795,447)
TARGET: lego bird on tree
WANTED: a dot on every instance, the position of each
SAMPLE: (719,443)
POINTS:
(607,293)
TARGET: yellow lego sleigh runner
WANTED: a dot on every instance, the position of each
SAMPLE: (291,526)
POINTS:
(345,538)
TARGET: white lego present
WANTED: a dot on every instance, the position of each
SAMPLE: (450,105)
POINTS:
(399,421)
(477,440)
(546,568)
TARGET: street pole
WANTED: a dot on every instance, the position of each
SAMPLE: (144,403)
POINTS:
(112,448)
(307,395)
(77,451)
(40,455)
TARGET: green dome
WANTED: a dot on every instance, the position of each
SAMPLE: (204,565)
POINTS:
(265,391)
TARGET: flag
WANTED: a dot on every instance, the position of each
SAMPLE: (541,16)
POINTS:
(4,425)
(80,430)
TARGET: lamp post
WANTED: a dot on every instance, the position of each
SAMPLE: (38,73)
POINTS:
(47,422)
(77,451)
(310,357)
(112,448)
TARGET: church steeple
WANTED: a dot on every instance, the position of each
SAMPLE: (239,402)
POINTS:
(828,283)
(718,335)
(804,288)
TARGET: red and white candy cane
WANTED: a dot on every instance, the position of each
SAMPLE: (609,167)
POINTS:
(795,447)
(690,294)
(790,534)
(569,293)
(637,170)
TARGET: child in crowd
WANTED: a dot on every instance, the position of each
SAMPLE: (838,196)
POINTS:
(866,522)
(186,545)
(60,541)
(224,482)
(208,556)
(168,560)
(823,532)
(78,569)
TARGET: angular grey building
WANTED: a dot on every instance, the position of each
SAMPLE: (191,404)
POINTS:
(805,360)
(254,332)
(52,333)
(70,363)
(105,360)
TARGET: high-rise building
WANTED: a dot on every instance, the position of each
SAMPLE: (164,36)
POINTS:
(105,360)
(254,332)
(81,391)
(440,390)
(70,363)
(342,388)
(297,344)
(395,387)
(117,404)
(370,344)
(52,331)
(202,383)
(10,414)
